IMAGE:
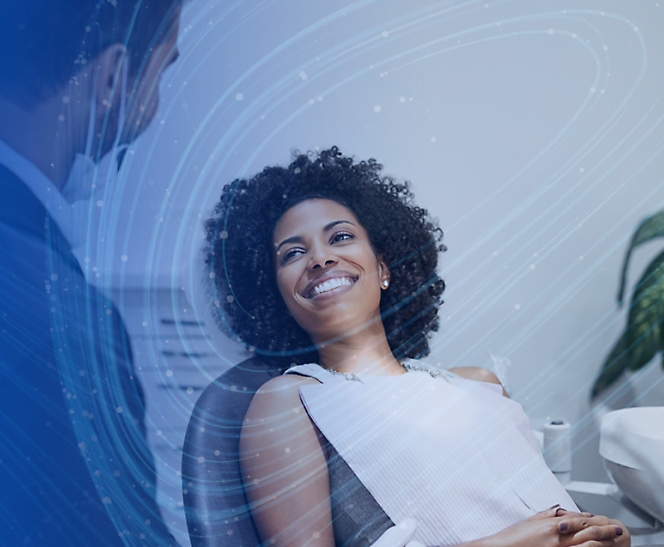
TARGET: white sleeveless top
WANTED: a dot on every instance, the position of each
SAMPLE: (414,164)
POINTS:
(452,453)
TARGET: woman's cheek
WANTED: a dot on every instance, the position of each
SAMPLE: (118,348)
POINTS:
(286,288)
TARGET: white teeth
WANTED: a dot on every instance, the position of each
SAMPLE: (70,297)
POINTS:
(331,284)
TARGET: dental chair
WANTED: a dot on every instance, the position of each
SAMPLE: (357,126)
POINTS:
(215,504)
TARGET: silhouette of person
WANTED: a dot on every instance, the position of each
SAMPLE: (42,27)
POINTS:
(78,80)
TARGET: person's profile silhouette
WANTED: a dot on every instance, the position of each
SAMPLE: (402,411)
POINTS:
(78,80)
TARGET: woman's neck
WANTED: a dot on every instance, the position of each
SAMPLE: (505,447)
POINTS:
(366,352)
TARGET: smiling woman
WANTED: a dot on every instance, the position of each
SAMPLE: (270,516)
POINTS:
(328,264)
(330,256)
(249,220)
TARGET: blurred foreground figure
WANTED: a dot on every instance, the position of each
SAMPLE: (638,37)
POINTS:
(78,80)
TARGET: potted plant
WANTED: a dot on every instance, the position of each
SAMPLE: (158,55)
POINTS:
(643,336)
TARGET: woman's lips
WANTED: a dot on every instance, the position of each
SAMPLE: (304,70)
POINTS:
(329,283)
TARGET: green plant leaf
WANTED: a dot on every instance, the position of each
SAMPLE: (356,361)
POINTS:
(615,364)
(643,337)
(646,313)
(650,228)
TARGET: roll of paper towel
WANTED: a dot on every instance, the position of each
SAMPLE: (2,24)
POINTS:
(558,446)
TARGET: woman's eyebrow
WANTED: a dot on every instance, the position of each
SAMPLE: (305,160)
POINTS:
(294,239)
(335,222)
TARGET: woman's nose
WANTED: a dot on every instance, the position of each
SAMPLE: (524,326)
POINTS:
(321,264)
(320,258)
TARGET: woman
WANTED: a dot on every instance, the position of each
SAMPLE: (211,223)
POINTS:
(331,267)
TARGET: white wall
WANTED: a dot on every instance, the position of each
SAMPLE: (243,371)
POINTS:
(532,129)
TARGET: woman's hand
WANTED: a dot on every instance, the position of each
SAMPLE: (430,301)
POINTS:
(556,527)
(585,527)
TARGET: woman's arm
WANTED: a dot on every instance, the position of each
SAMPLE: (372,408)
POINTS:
(284,468)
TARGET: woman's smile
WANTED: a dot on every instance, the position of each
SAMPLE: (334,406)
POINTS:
(330,284)
(327,271)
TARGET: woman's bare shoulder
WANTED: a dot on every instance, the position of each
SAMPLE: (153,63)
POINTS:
(280,394)
(285,385)
(287,380)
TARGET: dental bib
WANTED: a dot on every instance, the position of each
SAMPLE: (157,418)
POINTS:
(452,453)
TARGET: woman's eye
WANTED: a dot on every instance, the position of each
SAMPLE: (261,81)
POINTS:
(341,236)
(291,253)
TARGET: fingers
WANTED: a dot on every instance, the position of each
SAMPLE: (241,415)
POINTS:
(557,511)
(585,529)
(600,534)
(561,512)
(571,523)
(547,513)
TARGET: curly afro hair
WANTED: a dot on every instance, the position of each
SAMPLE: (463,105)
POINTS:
(239,253)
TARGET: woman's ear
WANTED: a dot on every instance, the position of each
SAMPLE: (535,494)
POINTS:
(384,274)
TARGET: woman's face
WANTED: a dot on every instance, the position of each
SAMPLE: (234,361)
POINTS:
(327,271)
